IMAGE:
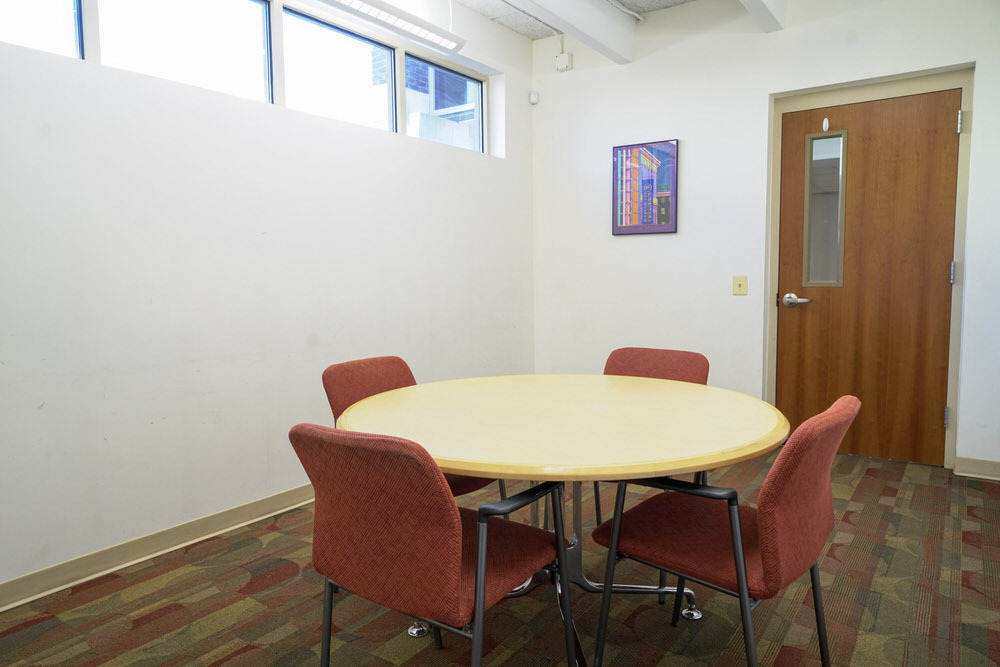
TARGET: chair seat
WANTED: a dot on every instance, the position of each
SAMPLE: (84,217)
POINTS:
(461,485)
(691,535)
(514,552)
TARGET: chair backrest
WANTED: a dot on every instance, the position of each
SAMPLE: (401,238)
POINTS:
(351,381)
(795,506)
(386,526)
(648,362)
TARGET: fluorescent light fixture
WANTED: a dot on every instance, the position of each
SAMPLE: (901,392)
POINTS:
(406,24)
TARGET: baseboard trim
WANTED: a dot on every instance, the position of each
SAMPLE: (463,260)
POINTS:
(78,570)
(977,468)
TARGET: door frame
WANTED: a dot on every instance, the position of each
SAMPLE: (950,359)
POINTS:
(928,81)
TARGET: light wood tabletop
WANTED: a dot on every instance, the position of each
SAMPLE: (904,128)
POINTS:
(573,427)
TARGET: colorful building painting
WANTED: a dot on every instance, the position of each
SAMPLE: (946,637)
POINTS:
(636,192)
(644,178)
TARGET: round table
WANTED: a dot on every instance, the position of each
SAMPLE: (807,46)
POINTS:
(573,427)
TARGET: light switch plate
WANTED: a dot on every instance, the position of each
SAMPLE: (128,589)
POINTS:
(739,285)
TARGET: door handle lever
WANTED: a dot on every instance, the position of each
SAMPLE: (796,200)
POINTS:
(790,300)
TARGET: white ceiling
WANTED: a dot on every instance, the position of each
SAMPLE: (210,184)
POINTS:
(525,24)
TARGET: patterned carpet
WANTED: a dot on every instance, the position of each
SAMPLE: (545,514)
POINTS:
(911,576)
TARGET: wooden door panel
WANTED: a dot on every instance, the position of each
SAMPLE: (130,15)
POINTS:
(883,335)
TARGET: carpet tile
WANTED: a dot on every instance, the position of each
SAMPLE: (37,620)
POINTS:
(911,576)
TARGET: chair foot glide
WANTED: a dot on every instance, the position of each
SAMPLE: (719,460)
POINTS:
(417,629)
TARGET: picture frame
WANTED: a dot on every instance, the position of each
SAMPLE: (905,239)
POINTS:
(644,188)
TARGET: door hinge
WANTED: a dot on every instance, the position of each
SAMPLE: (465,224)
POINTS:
(946,411)
(951,274)
(959,121)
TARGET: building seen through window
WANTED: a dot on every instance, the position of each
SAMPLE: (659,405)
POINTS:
(443,105)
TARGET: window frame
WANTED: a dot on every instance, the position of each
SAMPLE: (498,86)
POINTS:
(91,34)
(401,49)
(77,34)
(268,49)
(393,55)
(417,55)
(88,38)
(81,52)
(807,210)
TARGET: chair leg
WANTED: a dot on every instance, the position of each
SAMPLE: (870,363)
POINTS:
(701,477)
(678,599)
(545,518)
(662,597)
(609,575)
(329,588)
(597,502)
(741,579)
(480,597)
(503,493)
(824,646)
(565,598)
(438,642)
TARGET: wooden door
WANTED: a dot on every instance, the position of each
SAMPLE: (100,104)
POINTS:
(882,332)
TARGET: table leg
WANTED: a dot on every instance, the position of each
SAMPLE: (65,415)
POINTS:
(534,509)
(581,657)
(550,575)
(574,565)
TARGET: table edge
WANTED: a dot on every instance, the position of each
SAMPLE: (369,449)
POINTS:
(762,445)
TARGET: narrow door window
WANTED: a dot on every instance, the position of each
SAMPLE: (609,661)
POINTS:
(823,239)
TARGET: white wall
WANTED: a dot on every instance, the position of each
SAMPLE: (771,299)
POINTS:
(178,267)
(703,73)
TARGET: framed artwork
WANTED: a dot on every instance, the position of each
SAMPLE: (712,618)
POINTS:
(644,188)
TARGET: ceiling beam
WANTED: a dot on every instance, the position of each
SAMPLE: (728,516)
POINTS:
(596,23)
(770,14)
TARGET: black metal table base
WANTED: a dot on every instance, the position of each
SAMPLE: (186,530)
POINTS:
(575,554)
(574,563)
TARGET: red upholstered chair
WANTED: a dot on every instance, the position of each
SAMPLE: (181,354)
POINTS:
(351,381)
(387,528)
(750,553)
(649,362)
